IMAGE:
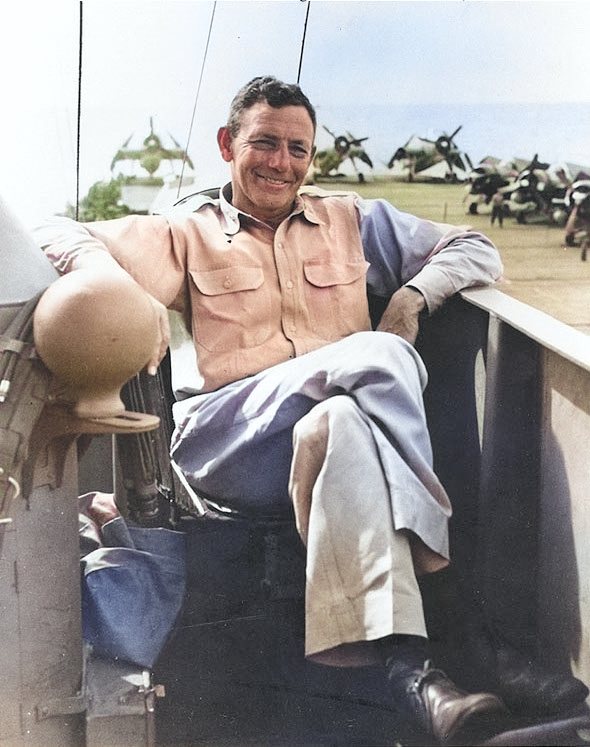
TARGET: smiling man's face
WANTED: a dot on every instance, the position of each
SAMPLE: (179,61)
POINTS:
(269,159)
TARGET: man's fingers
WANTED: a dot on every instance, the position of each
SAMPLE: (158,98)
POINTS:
(163,338)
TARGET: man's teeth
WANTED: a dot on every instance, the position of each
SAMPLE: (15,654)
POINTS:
(274,181)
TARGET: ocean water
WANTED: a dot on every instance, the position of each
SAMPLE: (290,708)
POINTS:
(556,132)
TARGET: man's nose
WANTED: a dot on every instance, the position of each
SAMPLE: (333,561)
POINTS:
(280,158)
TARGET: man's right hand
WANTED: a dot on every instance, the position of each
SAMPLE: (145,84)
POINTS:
(163,336)
(401,317)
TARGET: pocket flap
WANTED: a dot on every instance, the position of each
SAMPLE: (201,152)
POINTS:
(324,274)
(227,280)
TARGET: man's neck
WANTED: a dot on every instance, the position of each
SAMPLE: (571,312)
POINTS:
(273,222)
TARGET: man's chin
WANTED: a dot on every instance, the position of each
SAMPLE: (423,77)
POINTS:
(272,212)
(277,203)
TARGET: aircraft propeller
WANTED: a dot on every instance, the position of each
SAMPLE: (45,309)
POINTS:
(423,152)
(343,143)
(345,147)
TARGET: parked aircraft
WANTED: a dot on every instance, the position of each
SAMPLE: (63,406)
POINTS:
(327,162)
(488,177)
(152,153)
(420,154)
(540,190)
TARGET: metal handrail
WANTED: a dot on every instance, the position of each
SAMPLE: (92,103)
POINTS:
(566,341)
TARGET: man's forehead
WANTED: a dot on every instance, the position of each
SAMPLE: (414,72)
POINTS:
(263,117)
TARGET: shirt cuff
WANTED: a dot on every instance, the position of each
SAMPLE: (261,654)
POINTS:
(434,284)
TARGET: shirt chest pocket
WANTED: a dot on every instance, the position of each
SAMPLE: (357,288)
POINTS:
(230,307)
(336,295)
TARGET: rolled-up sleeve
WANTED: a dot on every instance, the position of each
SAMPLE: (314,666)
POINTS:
(63,240)
(437,259)
(142,245)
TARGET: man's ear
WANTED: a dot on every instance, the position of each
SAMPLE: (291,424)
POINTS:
(224,140)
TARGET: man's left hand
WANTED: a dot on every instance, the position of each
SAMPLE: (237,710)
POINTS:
(402,313)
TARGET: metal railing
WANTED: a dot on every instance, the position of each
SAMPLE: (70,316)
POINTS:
(535,477)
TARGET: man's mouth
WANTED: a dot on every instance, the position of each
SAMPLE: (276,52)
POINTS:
(275,182)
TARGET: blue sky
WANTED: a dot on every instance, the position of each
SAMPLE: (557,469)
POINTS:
(144,58)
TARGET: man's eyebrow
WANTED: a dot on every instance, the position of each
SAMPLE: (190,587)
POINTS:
(271,136)
(301,141)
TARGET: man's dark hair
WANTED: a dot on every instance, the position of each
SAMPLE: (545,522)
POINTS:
(271,90)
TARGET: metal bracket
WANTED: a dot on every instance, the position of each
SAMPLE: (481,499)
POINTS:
(7,499)
(61,707)
(68,705)
(143,692)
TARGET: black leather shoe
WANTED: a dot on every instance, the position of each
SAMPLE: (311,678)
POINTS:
(527,688)
(486,661)
(433,704)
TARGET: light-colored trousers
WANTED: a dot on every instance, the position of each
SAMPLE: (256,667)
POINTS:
(340,436)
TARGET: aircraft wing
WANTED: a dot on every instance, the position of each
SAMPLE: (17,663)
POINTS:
(418,145)
(440,170)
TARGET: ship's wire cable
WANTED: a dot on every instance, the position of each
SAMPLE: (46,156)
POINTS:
(185,155)
(79,113)
(303,41)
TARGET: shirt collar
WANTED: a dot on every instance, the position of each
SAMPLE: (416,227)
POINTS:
(305,206)
(231,214)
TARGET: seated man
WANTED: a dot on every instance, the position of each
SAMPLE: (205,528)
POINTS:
(302,407)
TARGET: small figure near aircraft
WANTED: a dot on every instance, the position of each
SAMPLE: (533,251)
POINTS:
(435,159)
(498,208)
(327,162)
(577,227)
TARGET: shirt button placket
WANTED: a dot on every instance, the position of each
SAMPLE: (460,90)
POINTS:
(289,301)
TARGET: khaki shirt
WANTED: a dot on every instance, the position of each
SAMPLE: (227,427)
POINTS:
(252,297)
(259,296)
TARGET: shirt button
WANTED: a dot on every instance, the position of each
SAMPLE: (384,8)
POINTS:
(227,283)
(290,284)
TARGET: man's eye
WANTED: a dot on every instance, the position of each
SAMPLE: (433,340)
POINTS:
(298,151)
(264,144)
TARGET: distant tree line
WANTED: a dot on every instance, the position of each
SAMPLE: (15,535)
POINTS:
(102,202)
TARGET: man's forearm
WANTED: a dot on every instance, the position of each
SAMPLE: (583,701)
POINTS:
(97,260)
(66,243)
(401,317)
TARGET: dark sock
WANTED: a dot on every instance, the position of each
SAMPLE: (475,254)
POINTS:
(402,654)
